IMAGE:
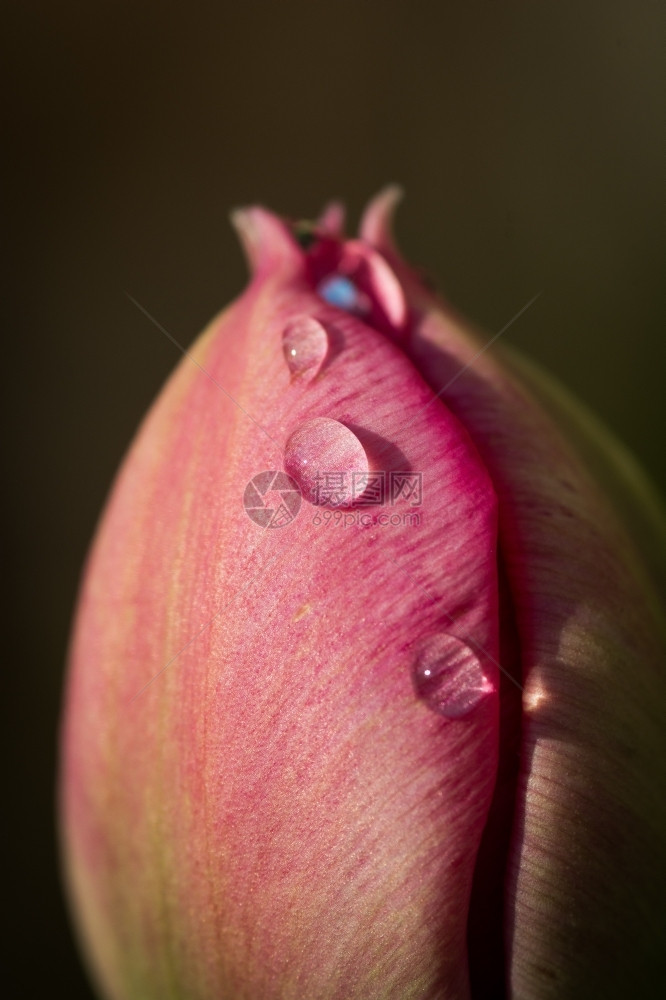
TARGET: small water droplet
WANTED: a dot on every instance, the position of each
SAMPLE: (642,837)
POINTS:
(305,345)
(327,461)
(448,676)
(340,291)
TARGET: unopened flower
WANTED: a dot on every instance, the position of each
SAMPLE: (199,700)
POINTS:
(367,679)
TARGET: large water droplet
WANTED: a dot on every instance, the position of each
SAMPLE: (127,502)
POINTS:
(448,676)
(327,461)
(305,345)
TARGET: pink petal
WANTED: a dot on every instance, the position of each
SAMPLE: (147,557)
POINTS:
(256,803)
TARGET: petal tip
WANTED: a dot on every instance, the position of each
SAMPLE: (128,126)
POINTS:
(265,238)
(332,219)
(377,221)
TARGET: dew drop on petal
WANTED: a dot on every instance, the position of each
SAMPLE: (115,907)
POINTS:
(448,676)
(305,345)
(327,461)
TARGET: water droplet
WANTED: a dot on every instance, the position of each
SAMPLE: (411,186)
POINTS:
(327,461)
(341,292)
(305,344)
(448,676)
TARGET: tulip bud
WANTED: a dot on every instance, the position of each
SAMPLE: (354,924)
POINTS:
(366,693)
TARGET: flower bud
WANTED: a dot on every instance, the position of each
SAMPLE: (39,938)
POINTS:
(366,694)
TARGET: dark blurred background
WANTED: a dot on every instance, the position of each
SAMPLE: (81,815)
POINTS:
(527,136)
